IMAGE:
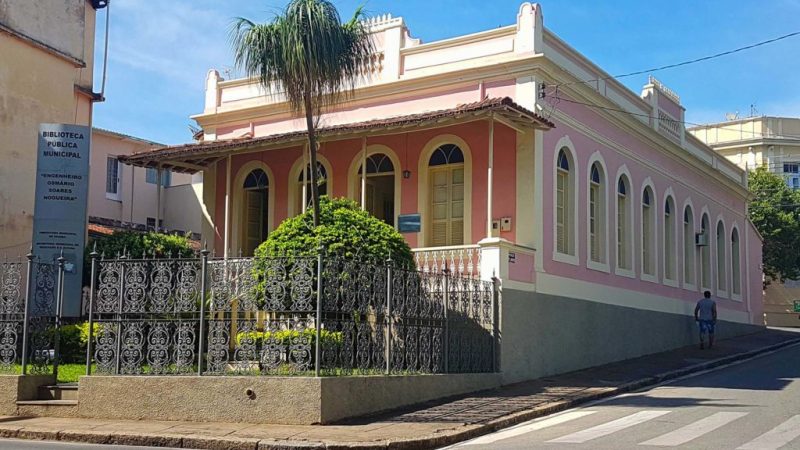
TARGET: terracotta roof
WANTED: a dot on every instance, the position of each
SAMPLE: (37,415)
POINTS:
(192,157)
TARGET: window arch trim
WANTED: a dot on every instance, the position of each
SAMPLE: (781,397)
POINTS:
(596,160)
(296,172)
(676,219)
(721,278)
(689,285)
(628,271)
(649,202)
(354,176)
(237,204)
(565,144)
(423,185)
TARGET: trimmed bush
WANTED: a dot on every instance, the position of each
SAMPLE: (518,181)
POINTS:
(344,230)
(136,244)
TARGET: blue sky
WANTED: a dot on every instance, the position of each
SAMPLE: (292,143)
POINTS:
(160,51)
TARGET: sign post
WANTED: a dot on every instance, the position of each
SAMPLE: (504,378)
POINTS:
(59,216)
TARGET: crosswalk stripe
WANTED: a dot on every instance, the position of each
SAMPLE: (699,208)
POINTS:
(776,437)
(538,425)
(609,427)
(695,430)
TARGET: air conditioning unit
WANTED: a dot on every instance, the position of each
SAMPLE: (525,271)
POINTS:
(701,239)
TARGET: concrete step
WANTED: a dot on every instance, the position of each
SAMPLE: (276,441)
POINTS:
(47,408)
(58,392)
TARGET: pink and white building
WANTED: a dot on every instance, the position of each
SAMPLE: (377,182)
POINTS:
(603,218)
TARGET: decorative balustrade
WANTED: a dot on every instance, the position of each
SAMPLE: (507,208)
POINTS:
(461,260)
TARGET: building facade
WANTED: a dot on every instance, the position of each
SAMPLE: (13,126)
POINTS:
(54,41)
(773,142)
(603,218)
(128,197)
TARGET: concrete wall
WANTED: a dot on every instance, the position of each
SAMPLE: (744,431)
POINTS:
(182,204)
(18,387)
(67,27)
(275,400)
(344,397)
(543,335)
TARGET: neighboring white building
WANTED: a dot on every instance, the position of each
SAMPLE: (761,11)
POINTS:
(763,141)
(757,141)
(126,197)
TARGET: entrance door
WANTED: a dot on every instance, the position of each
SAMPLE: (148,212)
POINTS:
(447,206)
(255,223)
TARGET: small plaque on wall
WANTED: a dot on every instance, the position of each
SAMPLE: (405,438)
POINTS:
(409,223)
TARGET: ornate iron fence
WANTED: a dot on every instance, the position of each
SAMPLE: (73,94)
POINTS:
(30,295)
(286,316)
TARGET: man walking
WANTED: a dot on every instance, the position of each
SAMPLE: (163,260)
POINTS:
(705,314)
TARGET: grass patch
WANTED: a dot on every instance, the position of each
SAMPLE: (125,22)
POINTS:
(67,373)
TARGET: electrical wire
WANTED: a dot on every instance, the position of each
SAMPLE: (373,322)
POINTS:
(685,63)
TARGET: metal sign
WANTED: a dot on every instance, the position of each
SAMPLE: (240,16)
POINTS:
(797,306)
(59,217)
(409,223)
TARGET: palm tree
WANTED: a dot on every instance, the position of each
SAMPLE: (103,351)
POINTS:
(310,55)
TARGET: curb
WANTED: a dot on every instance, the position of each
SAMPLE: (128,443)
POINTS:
(430,442)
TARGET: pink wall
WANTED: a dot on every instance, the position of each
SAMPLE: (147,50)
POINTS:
(718,200)
(408,148)
(672,108)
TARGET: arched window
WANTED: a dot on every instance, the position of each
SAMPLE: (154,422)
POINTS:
(564,204)
(304,188)
(597,214)
(705,254)
(648,232)
(688,246)
(379,182)
(669,239)
(446,176)
(254,222)
(623,224)
(721,265)
(736,276)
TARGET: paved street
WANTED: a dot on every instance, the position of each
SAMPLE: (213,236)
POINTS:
(754,405)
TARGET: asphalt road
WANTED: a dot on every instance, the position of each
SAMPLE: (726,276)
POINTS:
(751,405)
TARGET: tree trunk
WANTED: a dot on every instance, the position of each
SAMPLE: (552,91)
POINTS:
(312,149)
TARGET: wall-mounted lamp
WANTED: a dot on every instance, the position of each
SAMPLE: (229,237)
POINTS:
(406,174)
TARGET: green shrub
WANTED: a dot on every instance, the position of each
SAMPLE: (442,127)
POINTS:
(136,244)
(344,230)
(285,337)
(72,341)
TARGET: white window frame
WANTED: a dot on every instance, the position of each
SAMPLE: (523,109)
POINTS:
(115,196)
(689,285)
(706,284)
(571,225)
(629,242)
(737,267)
(653,238)
(601,225)
(670,248)
(721,278)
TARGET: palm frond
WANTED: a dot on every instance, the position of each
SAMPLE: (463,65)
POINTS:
(307,51)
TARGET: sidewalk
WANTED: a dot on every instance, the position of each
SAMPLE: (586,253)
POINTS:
(425,426)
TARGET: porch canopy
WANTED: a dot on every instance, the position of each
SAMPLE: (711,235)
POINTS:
(195,157)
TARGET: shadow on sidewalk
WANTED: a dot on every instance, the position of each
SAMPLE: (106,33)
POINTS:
(486,406)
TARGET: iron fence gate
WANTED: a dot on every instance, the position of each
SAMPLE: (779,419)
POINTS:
(323,315)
